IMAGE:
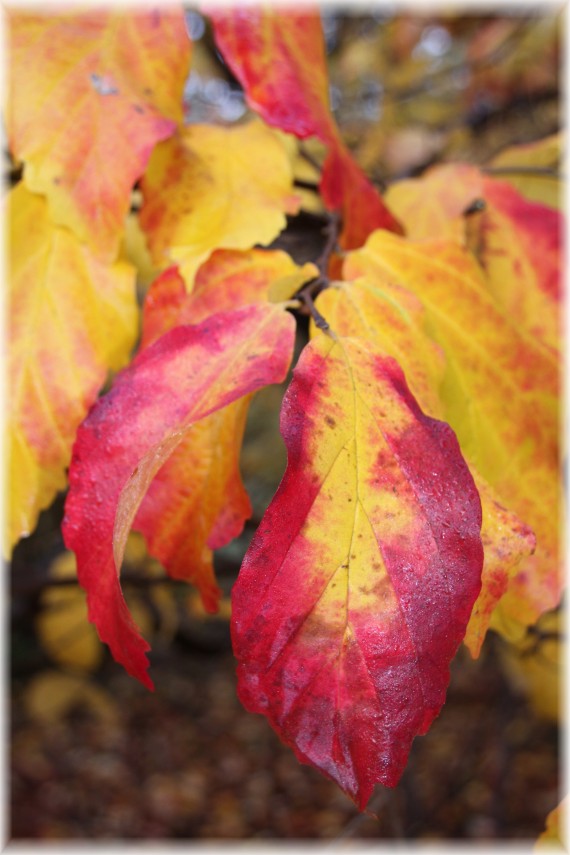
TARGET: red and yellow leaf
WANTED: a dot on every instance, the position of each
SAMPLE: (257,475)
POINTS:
(197,502)
(215,188)
(356,590)
(521,251)
(187,374)
(499,391)
(395,319)
(89,96)
(227,280)
(70,319)
(434,205)
(506,542)
(518,242)
(279,58)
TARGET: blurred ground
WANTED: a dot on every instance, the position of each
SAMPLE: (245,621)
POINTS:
(94,755)
(189,762)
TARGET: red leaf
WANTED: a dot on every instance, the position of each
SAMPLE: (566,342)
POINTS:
(358,585)
(279,59)
(197,502)
(188,373)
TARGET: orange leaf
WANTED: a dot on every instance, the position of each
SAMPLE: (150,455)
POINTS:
(90,94)
(187,374)
(279,58)
(70,319)
(344,641)
(215,188)
(500,394)
(196,502)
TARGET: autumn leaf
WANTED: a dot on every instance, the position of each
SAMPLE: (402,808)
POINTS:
(70,319)
(555,834)
(506,542)
(534,665)
(187,374)
(435,205)
(534,169)
(521,254)
(89,96)
(197,502)
(215,188)
(62,626)
(394,318)
(356,590)
(516,241)
(499,391)
(227,280)
(279,59)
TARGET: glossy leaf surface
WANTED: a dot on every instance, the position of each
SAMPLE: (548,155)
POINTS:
(70,319)
(90,94)
(499,391)
(344,640)
(185,375)
(387,313)
(215,188)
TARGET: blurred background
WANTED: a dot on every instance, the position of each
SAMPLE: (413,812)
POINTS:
(96,756)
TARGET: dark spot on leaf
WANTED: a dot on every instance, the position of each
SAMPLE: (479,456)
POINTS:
(330,421)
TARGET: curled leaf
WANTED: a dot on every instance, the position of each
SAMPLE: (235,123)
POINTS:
(188,373)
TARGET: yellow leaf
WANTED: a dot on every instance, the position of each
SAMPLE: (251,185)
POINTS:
(135,250)
(534,665)
(394,318)
(62,625)
(51,695)
(544,157)
(554,837)
(215,188)
(433,206)
(70,319)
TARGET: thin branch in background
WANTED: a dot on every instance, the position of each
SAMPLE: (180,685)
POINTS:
(331,230)
(534,171)
(306,297)
(306,155)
